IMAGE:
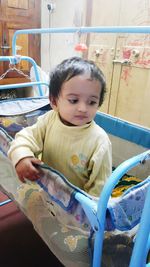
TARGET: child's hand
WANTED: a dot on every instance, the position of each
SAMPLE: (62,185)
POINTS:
(25,168)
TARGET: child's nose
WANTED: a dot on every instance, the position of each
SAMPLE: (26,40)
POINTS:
(82,107)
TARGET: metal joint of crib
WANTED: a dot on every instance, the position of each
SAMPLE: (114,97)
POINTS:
(15,59)
(147,157)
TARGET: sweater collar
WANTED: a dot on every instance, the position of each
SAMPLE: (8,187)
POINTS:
(72,128)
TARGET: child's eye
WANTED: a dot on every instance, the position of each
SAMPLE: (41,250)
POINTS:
(92,103)
(73,101)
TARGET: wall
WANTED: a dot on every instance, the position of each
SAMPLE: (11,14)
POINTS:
(68,13)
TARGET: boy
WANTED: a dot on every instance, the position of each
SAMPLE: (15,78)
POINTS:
(67,137)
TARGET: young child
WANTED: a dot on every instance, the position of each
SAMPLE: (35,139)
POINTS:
(67,138)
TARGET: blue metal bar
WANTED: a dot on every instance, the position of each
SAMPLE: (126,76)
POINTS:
(103,201)
(139,254)
(5,202)
(16,59)
(89,206)
(109,29)
(148,244)
(18,85)
(126,130)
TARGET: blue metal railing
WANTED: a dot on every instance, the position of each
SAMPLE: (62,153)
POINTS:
(103,202)
(5,202)
(109,29)
(14,60)
(142,242)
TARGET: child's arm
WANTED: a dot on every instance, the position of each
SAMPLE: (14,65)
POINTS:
(29,141)
(26,168)
(100,168)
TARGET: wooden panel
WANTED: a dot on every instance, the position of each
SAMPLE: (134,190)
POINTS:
(133,100)
(15,15)
(114,87)
(128,94)
(14,80)
(102,46)
(25,43)
(135,12)
(16,92)
(23,4)
(26,11)
(102,55)
(1,40)
(22,47)
(1,53)
(21,20)
(19,8)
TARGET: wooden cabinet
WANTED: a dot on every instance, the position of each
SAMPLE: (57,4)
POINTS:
(124,59)
(15,15)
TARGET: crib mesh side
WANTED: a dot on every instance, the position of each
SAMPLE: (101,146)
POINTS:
(66,239)
(69,244)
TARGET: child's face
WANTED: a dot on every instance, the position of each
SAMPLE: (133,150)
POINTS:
(79,100)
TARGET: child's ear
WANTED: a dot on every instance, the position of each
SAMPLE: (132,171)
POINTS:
(53,103)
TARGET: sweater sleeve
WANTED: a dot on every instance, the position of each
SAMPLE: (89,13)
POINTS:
(100,168)
(29,141)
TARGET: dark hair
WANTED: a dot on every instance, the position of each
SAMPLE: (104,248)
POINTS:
(71,67)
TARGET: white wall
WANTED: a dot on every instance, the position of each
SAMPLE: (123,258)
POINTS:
(56,47)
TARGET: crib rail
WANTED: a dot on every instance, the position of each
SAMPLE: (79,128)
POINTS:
(139,254)
(103,202)
(109,29)
(15,60)
(22,85)
(97,215)
(5,202)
